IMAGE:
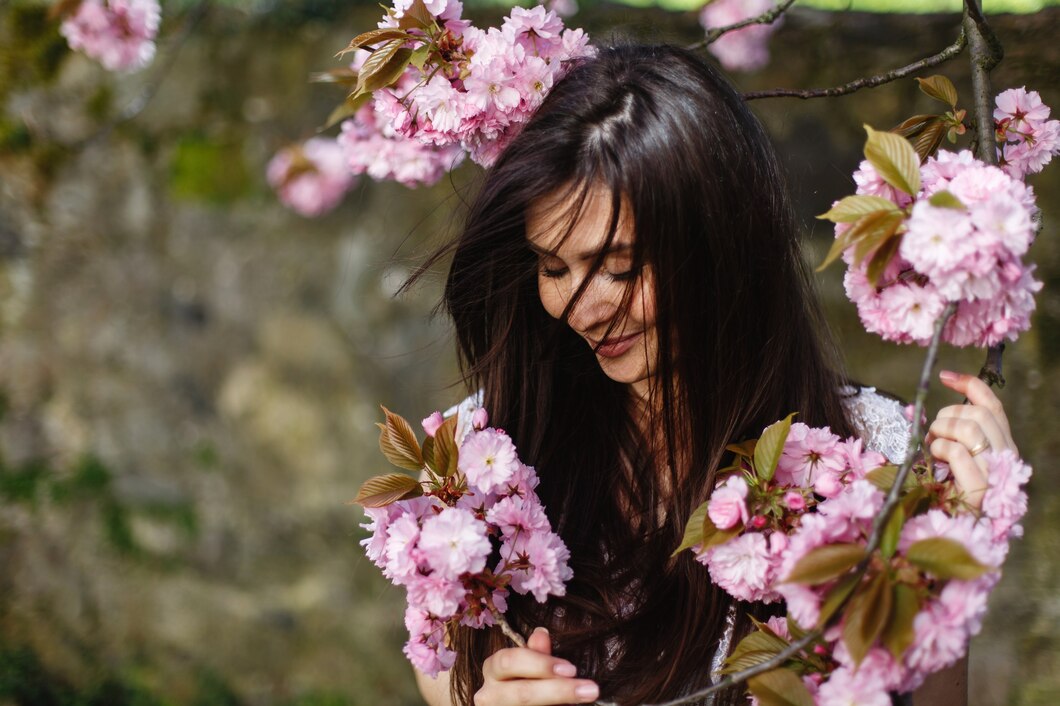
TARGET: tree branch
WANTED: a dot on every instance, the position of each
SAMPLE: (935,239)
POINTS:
(766,18)
(777,661)
(986,52)
(869,82)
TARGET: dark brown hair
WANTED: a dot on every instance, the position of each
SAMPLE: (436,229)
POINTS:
(741,344)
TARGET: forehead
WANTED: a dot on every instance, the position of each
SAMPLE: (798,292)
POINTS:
(556,224)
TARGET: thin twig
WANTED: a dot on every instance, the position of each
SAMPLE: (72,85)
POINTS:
(870,82)
(777,661)
(506,628)
(766,18)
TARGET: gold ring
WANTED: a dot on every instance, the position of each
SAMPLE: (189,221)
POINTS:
(979,448)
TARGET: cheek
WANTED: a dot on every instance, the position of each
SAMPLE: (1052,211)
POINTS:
(551,297)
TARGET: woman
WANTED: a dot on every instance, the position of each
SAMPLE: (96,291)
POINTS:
(629,296)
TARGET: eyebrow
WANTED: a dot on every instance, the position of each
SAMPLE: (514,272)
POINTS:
(585,256)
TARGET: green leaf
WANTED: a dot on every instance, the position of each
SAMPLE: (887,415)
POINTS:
(712,536)
(884,477)
(898,635)
(895,160)
(866,615)
(383,490)
(851,208)
(744,449)
(826,563)
(916,501)
(365,39)
(873,231)
(693,530)
(780,687)
(945,559)
(346,109)
(945,199)
(868,226)
(940,88)
(445,450)
(892,532)
(835,598)
(770,446)
(419,56)
(881,258)
(756,648)
(398,442)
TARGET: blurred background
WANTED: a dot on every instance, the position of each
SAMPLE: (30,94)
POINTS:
(190,372)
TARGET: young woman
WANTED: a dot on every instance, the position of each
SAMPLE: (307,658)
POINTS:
(629,296)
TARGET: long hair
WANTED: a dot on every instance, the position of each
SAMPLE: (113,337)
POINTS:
(741,344)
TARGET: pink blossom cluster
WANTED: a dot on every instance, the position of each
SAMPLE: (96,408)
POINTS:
(1027,139)
(458,549)
(119,34)
(830,475)
(494,79)
(744,49)
(815,463)
(969,251)
(372,148)
(311,178)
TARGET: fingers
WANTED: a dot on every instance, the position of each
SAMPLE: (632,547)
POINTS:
(539,641)
(537,692)
(974,435)
(978,393)
(970,477)
(525,663)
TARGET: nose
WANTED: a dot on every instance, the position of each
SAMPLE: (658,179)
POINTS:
(594,309)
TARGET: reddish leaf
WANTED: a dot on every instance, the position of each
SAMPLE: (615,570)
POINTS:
(445,450)
(899,634)
(940,88)
(835,598)
(383,490)
(866,615)
(398,442)
(376,35)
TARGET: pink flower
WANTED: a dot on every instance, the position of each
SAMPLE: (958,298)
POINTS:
(518,516)
(728,505)
(794,500)
(943,627)
(1020,105)
(743,567)
(436,594)
(808,451)
(487,458)
(858,504)
(743,49)
(480,419)
(1005,502)
(117,33)
(912,311)
(454,542)
(402,555)
(431,423)
(312,178)
(547,570)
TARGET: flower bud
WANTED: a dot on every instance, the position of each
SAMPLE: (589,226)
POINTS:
(794,500)
(431,423)
(480,419)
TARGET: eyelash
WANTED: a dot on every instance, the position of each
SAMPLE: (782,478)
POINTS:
(614,277)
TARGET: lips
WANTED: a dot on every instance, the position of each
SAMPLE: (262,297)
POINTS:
(614,347)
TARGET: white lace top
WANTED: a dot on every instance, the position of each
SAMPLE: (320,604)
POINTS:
(879,419)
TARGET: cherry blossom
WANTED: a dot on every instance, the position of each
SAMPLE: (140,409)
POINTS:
(118,33)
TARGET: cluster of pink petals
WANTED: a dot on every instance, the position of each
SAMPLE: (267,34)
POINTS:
(1027,139)
(744,49)
(442,553)
(750,565)
(373,148)
(320,176)
(954,610)
(971,255)
(505,76)
(119,34)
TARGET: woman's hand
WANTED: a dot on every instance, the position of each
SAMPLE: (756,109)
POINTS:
(960,433)
(531,676)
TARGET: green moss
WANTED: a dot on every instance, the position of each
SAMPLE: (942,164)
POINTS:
(23,484)
(209,169)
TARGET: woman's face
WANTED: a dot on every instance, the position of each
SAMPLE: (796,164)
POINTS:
(616,312)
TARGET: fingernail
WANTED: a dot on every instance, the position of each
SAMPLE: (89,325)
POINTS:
(587,692)
(949,375)
(540,629)
(565,669)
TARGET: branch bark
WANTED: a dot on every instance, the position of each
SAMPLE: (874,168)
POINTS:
(986,52)
(869,82)
(766,18)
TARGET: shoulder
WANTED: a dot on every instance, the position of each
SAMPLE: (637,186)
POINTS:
(879,418)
